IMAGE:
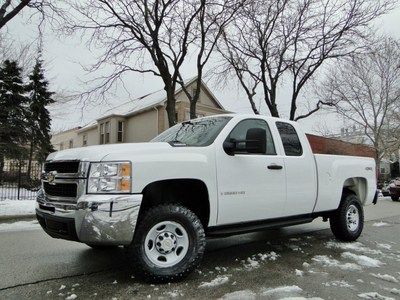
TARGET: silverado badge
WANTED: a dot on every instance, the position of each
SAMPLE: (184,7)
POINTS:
(51,177)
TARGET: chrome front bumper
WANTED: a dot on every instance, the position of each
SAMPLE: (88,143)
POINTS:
(98,219)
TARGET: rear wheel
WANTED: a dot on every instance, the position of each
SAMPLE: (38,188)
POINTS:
(347,221)
(169,243)
(395,198)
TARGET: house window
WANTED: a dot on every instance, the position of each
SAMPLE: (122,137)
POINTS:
(84,140)
(101,133)
(71,144)
(120,131)
(107,131)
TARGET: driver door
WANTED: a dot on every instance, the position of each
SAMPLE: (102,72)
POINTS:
(251,186)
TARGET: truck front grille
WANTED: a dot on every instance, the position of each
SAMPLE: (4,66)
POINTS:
(64,167)
(61,189)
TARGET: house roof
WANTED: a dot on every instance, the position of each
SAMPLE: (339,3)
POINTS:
(140,104)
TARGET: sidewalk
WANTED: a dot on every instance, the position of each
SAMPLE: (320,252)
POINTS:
(17,209)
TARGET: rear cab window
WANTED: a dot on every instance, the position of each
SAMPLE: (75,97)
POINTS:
(290,139)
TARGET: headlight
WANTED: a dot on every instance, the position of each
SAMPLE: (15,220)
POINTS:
(110,177)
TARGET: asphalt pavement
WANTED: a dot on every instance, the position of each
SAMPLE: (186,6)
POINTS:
(301,261)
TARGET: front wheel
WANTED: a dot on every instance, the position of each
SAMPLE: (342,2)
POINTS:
(169,243)
(395,198)
(347,221)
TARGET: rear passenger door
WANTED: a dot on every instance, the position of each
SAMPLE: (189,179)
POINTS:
(301,180)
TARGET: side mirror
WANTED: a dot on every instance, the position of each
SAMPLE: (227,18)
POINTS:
(255,143)
(256,140)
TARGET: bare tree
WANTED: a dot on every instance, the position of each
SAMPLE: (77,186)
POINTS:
(366,90)
(273,41)
(9,9)
(210,23)
(139,36)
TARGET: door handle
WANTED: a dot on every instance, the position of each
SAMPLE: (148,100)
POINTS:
(275,167)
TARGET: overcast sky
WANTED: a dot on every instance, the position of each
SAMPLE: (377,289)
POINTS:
(63,58)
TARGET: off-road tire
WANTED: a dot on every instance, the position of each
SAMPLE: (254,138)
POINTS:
(338,219)
(142,265)
(395,198)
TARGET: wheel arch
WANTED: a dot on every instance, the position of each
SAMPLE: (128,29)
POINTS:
(189,192)
(357,186)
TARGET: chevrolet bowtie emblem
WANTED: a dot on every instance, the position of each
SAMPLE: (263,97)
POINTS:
(51,177)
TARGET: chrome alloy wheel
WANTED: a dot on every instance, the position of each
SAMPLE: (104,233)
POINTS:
(166,244)
(352,218)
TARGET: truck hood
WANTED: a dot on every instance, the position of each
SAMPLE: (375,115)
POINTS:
(97,153)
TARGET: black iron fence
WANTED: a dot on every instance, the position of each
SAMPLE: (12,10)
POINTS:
(19,180)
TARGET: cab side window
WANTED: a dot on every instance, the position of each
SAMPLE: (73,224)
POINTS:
(290,139)
(239,133)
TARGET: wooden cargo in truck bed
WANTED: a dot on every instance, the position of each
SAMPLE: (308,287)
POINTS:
(323,145)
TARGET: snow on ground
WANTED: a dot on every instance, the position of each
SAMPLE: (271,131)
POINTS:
(338,283)
(395,291)
(298,272)
(71,297)
(363,260)
(374,295)
(20,225)
(219,280)
(384,246)
(239,295)
(327,261)
(385,277)
(301,298)
(282,290)
(251,263)
(380,224)
(355,246)
(17,207)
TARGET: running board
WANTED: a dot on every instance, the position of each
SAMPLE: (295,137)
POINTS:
(240,228)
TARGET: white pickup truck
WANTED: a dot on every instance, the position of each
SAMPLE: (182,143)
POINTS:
(213,176)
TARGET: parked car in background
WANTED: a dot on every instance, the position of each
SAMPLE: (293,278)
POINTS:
(386,188)
(394,188)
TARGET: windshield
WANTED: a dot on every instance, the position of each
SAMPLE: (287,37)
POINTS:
(201,132)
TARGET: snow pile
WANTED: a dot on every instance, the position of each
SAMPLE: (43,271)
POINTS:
(298,273)
(174,294)
(239,295)
(71,297)
(17,208)
(380,224)
(385,277)
(363,260)
(339,283)
(395,291)
(355,246)
(330,262)
(219,280)
(384,246)
(268,256)
(282,290)
(20,225)
(374,295)
(251,263)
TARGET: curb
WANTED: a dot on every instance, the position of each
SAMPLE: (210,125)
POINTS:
(17,217)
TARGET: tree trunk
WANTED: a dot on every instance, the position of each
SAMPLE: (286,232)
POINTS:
(170,108)
(31,147)
(1,167)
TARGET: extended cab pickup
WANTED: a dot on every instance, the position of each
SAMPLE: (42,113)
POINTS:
(213,176)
